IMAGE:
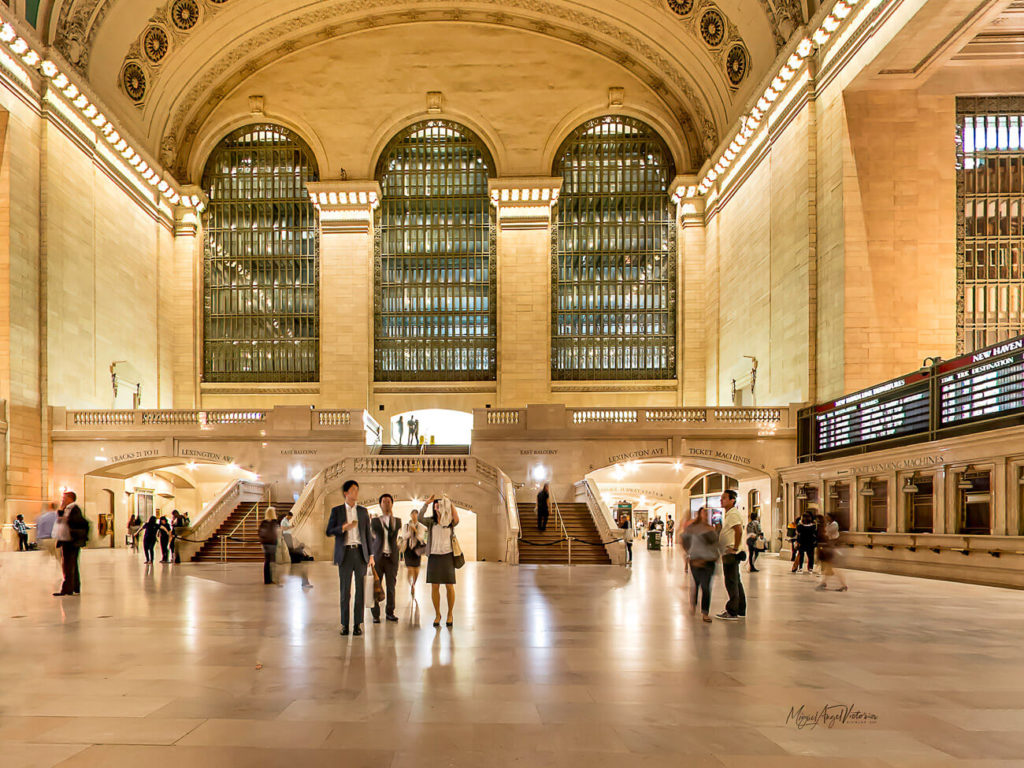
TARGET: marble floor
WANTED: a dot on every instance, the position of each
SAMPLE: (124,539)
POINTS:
(591,666)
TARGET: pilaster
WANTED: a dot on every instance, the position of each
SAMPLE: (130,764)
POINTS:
(346,216)
(691,302)
(187,301)
(524,213)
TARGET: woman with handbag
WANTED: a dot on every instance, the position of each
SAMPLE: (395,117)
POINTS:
(443,553)
(755,538)
(412,545)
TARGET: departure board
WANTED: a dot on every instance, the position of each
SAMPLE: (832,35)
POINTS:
(894,409)
(986,384)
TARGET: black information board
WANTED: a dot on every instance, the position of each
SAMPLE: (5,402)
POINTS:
(986,384)
(891,410)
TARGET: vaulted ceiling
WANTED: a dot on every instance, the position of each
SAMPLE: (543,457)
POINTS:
(167,66)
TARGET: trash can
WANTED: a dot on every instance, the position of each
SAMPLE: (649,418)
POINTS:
(653,540)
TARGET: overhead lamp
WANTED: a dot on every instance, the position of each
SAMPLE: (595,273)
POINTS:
(910,486)
(867,490)
(833,492)
(801,494)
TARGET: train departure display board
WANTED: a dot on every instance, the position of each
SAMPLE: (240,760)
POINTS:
(986,384)
(897,408)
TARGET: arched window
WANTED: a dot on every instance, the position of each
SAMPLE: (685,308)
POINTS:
(613,298)
(435,278)
(260,268)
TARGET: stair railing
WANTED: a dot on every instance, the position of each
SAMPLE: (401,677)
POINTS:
(241,524)
(561,525)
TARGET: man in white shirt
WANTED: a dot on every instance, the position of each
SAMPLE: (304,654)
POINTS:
(349,524)
(385,530)
(729,543)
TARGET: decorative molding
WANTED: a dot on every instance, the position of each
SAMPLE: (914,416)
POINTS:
(344,207)
(524,203)
(166,29)
(259,389)
(690,106)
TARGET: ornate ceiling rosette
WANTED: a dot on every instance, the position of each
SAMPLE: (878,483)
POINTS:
(737,62)
(712,27)
(681,7)
(167,28)
(708,22)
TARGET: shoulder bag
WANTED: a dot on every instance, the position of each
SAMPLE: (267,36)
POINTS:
(460,559)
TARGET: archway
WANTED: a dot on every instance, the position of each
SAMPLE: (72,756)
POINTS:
(431,426)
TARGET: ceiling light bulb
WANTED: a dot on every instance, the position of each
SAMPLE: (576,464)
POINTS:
(31,58)
(60,81)
(841,10)
(804,48)
(81,102)
(830,23)
(90,111)
(19,46)
(794,61)
(820,36)
(48,68)
(7,33)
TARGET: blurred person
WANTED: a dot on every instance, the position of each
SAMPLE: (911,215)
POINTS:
(164,530)
(384,531)
(670,529)
(543,510)
(269,533)
(627,538)
(700,541)
(806,541)
(349,524)
(134,526)
(828,553)
(413,545)
(72,535)
(791,540)
(287,523)
(754,532)
(729,543)
(44,533)
(440,525)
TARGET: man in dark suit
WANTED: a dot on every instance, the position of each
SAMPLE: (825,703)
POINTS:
(349,524)
(385,531)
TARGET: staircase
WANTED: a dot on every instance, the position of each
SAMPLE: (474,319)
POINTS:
(248,550)
(578,524)
(427,450)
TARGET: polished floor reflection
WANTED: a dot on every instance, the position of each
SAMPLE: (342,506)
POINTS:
(547,666)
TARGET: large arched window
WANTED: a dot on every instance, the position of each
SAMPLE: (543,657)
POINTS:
(435,278)
(613,293)
(260,275)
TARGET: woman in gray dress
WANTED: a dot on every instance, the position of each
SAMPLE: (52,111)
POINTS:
(440,523)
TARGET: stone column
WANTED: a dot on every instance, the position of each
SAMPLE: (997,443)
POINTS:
(524,288)
(187,301)
(346,211)
(997,498)
(691,304)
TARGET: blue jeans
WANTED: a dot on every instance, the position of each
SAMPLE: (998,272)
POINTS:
(702,576)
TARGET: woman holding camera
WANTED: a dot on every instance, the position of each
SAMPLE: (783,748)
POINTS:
(440,525)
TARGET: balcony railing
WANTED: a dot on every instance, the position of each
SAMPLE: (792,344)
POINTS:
(764,421)
(291,418)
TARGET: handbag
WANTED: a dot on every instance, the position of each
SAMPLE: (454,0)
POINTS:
(378,588)
(460,559)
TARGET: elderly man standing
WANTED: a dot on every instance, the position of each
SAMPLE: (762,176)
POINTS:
(729,542)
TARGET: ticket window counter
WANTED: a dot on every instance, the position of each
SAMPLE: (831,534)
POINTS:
(974,507)
(875,496)
(839,504)
(919,493)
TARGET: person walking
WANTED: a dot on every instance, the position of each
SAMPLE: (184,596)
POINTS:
(384,531)
(150,532)
(72,535)
(21,529)
(441,524)
(828,554)
(413,545)
(754,533)
(269,532)
(400,428)
(791,540)
(543,510)
(134,526)
(700,540)
(627,538)
(729,543)
(44,533)
(806,541)
(165,539)
(349,524)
